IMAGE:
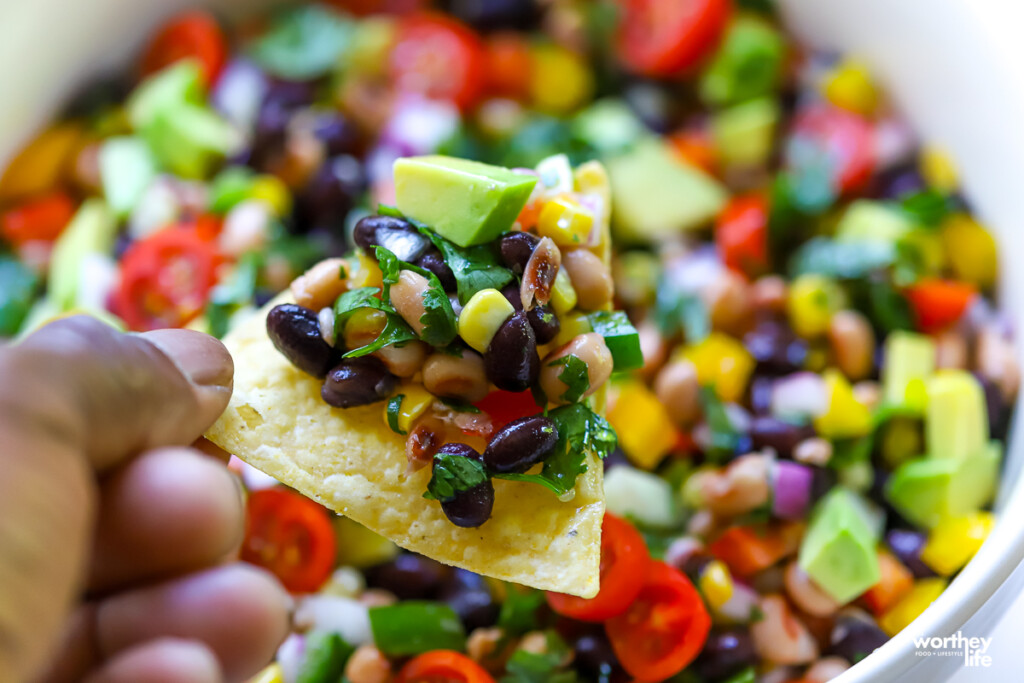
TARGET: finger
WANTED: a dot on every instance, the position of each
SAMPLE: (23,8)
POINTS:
(211,449)
(167,512)
(162,661)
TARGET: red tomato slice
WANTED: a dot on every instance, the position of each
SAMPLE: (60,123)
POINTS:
(443,666)
(166,279)
(741,233)
(41,219)
(440,58)
(662,38)
(939,303)
(624,559)
(664,629)
(508,66)
(290,536)
(193,34)
(695,147)
(844,141)
(505,406)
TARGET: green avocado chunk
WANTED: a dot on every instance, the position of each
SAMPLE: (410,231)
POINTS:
(466,202)
(909,361)
(190,140)
(640,495)
(127,167)
(620,337)
(870,221)
(838,551)
(91,231)
(956,423)
(180,83)
(744,134)
(927,490)
(324,659)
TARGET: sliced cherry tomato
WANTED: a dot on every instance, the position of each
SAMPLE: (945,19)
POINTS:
(664,629)
(440,58)
(662,38)
(166,279)
(696,148)
(741,234)
(37,220)
(508,66)
(939,303)
(506,406)
(624,559)
(290,536)
(839,139)
(749,549)
(193,34)
(443,666)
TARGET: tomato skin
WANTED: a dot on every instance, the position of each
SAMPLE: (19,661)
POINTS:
(663,38)
(624,559)
(443,666)
(440,58)
(845,139)
(741,234)
(40,219)
(505,406)
(696,148)
(282,526)
(939,303)
(193,34)
(166,279)
(508,66)
(664,629)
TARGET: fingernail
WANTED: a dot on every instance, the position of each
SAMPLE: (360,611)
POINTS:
(200,357)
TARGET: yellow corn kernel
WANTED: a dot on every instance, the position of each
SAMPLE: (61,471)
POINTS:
(483,314)
(646,433)
(272,191)
(358,546)
(955,540)
(272,674)
(565,221)
(722,362)
(716,584)
(938,170)
(363,271)
(38,167)
(813,299)
(851,87)
(415,402)
(560,81)
(911,605)
(570,325)
(563,294)
(845,416)
(363,327)
(970,250)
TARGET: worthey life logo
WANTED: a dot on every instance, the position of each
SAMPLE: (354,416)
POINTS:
(973,650)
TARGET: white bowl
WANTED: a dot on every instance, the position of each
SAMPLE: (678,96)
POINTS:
(952,65)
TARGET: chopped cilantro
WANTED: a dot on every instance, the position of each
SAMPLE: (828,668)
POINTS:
(233,293)
(574,376)
(394,406)
(519,610)
(724,437)
(395,331)
(889,308)
(550,667)
(928,207)
(453,474)
(460,406)
(439,326)
(303,43)
(475,268)
(684,312)
(843,260)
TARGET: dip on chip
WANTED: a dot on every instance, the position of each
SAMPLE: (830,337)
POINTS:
(443,386)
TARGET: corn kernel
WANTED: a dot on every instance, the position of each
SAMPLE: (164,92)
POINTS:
(845,416)
(924,593)
(415,402)
(363,271)
(363,327)
(481,317)
(38,167)
(813,299)
(563,294)
(560,81)
(970,250)
(272,674)
(938,170)
(570,325)
(722,362)
(565,221)
(716,584)
(646,433)
(270,189)
(851,87)
(954,541)
(359,547)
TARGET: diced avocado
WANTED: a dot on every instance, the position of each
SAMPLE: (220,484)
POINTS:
(956,424)
(608,125)
(870,221)
(464,201)
(838,551)
(127,167)
(92,230)
(744,133)
(324,658)
(748,63)
(643,496)
(908,361)
(189,140)
(18,287)
(927,490)
(231,186)
(656,194)
(620,337)
(180,83)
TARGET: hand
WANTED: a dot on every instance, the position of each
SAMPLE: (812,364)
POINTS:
(112,531)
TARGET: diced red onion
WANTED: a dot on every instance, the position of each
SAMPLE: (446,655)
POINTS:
(239,93)
(739,608)
(798,396)
(289,656)
(418,125)
(894,142)
(791,490)
(97,278)
(681,549)
(335,614)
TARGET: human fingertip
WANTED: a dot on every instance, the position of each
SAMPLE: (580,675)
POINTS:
(167,660)
(201,358)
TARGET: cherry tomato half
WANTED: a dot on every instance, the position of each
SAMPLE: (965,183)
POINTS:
(505,406)
(624,559)
(443,666)
(440,58)
(508,66)
(662,38)
(939,303)
(166,279)
(193,34)
(741,234)
(41,219)
(664,629)
(290,536)
(842,140)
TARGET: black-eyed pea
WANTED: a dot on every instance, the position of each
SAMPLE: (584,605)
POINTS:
(404,361)
(729,303)
(780,637)
(806,595)
(653,346)
(407,298)
(589,348)
(868,392)
(996,362)
(321,285)
(590,277)
(769,294)
(368,665)
(950,350)
(461,377)
(853,343)
(677,388)
(825,669)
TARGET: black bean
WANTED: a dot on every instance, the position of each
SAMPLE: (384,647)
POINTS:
(761,394)
(409,577)
(407,245)
(907,545)
(998,413)
(373,231)
(776,348)
(768,432)
(511,361)
(544,322)
(434,262)
(330,194)
(595,657)
(726,652)
(339,134)
(695,564)
(511,293)
(456,448)
(516,248)
(491,15)
(615,459)
(855,637)
(358,382)
(475,607)
(822,481)
(521,444)
(658,105)
(470,508)
(295,332)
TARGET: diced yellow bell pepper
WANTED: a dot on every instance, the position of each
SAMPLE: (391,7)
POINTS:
(560,80)
(722,362)
(359,547)
(716,584)
(850,86)
(924,593)
(813,300)
(415,402)
(38,167)
(970,250)
(846,416)
(646,433)
(565,221)
(938,170)
(955,540)
(570,325)
(482,316)
(563,294)
(272,674)
(273,192)
(363,271)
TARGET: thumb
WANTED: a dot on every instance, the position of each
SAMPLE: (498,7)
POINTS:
(77,397)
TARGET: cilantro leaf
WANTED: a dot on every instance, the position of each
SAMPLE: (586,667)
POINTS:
(303,43)
(519,610)
(439,326)
(527,667)
(574,376)
(460,406)
(453,474)
(843,260)
(928,207)
(684,312)
(393,409)
(233,293)
(395,331)
(475,268)
(724,437)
